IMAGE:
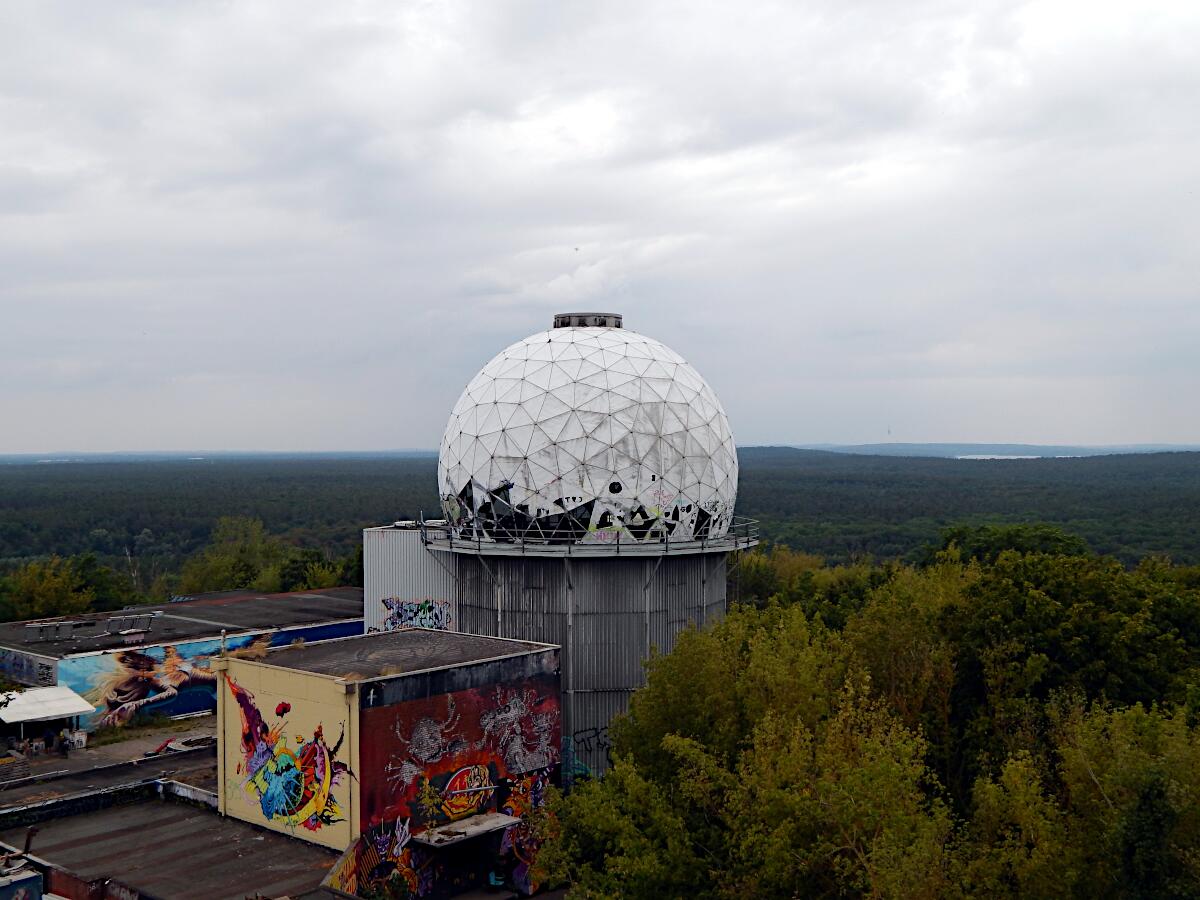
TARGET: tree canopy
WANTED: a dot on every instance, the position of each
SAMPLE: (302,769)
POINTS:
(240,554)
(1006,725)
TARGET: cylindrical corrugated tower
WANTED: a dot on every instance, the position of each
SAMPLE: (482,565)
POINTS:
(588,478)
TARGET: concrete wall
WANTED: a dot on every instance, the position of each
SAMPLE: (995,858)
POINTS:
(286,753)
(169,679)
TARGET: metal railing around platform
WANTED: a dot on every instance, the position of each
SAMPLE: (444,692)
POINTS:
(742,534)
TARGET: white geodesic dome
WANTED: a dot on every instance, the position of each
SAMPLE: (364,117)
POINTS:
(588,435)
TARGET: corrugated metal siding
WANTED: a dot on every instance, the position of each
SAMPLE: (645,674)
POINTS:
(475,594)
(608,650)
(589,736)
(716,597)
(396,564)
(534,603)
(594,608)
(610,623)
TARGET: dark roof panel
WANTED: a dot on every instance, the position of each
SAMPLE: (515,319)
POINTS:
(397,653)
(196,618)
(195,854)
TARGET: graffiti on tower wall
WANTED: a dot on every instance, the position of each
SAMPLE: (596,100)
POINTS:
(426,612)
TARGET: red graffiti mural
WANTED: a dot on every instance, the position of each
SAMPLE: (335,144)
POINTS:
(444,759)
(439,759)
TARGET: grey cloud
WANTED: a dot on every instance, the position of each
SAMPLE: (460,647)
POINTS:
(961,221)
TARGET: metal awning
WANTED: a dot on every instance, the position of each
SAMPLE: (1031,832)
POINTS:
(452,833)
(43,703)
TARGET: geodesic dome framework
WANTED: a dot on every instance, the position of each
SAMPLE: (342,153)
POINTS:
(588,435)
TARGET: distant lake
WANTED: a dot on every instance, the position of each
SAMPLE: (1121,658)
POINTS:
(995,456)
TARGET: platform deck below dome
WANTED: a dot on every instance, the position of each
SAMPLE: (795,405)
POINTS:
(742,535)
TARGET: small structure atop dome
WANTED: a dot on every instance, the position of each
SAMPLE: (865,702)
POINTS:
(587,320)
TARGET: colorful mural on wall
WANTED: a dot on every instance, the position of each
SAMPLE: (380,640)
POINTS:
(169,680)
(519,846)
(443,759)
(424,613)
(495,733)
(385,856)
(292,787)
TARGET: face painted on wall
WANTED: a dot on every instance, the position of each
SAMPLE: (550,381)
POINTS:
(136,682)
(168,680)
(468,791)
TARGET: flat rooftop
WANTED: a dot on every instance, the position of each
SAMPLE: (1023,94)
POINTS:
(194,618)
(397,652)
(166,848)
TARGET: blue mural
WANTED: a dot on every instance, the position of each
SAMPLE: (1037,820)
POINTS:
(172,679)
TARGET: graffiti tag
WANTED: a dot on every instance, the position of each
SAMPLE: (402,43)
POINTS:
(424,613)
(593,738)
(27,669)
(116,891)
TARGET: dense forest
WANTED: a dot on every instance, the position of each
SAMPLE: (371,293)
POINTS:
(938,678)
(839,506)
(1019,720)
(145,519)
(127,531)
(842,506)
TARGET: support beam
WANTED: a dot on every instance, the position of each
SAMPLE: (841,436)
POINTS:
(704,579)
(646,594)
(499,595)
(569,687)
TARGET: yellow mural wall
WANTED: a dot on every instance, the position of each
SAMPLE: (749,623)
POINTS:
(287,758)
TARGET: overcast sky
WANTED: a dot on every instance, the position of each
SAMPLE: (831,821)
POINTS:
(306,226)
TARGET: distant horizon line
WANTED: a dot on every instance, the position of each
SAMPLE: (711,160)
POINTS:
(430,451)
